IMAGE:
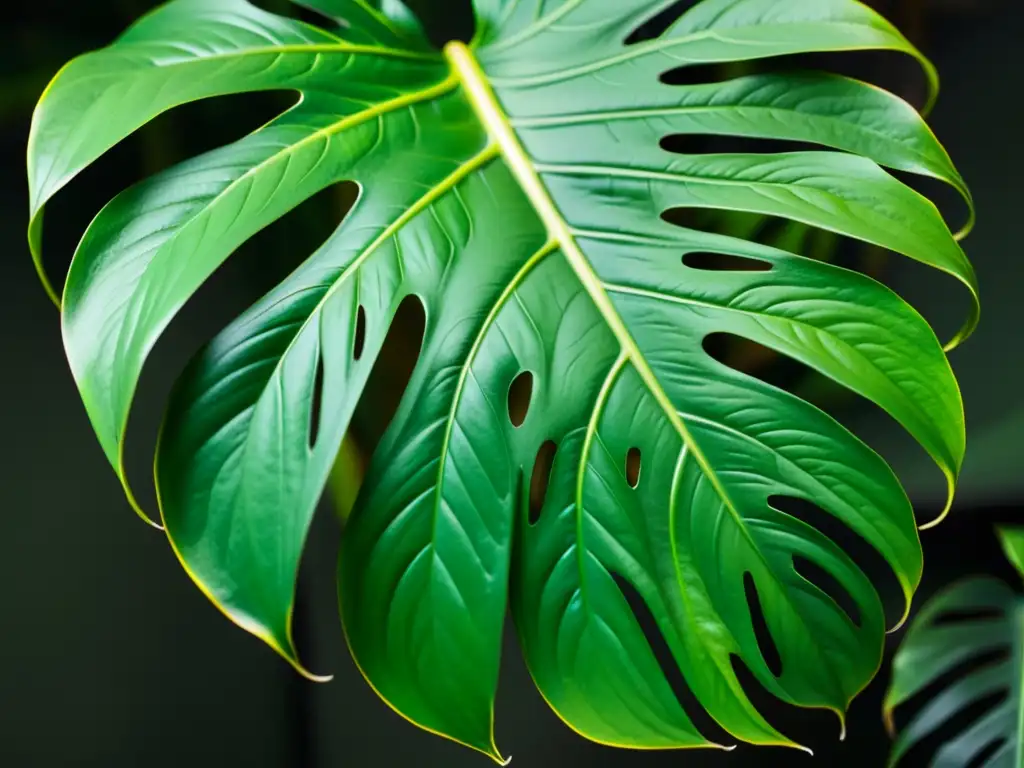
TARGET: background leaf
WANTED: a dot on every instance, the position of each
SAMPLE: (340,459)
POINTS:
(965,651)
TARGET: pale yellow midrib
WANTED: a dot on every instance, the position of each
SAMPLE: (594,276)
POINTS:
(487,108)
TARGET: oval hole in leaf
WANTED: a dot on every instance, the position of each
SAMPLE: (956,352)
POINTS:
(769,651)
(359,336)
(390,375)
(540,477)
(316,400)
(868,559)
(520,392)
(830,585)
(633,467)
(687,699)
(723,262)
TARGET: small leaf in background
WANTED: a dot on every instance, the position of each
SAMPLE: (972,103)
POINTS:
(964,652)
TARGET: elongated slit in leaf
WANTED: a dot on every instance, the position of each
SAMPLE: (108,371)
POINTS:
(868,559)
(674,676)
(723,262)
(696,74)
(769,651)
(539,478)
(391,373)
(830,585)
(746,356)
(359,337)
(711,144)
(316,400)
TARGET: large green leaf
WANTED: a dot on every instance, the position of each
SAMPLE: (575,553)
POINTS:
(974,631)
(515,187)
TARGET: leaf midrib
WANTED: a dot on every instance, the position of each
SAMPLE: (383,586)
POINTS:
(488,109)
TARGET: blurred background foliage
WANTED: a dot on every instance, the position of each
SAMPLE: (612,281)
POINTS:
(111,657)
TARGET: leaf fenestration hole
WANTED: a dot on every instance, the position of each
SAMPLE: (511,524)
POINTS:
(392,370)
(749,357)
(316,400)
(873,564)
(520,393)
(781,371)
(769,651)
(696,74)
(807,727)
(540,477)
(687,699)
(704,143)
(830,585)
(633,467)
(724,262)
(359,336)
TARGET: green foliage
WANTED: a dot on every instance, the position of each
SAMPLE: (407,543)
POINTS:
(978,623)
(515,187)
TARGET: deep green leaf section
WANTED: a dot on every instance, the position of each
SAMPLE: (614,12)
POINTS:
(517,188)
(969,641)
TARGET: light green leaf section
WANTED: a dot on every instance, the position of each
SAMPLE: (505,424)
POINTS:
(973,630)
(516,188)
(1012,540)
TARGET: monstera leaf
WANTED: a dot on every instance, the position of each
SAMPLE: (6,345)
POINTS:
(972,631)
(515,187)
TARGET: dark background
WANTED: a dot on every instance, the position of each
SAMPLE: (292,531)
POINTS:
(108,654)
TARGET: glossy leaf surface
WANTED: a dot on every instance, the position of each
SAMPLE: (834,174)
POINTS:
(974,632)
(515,188)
